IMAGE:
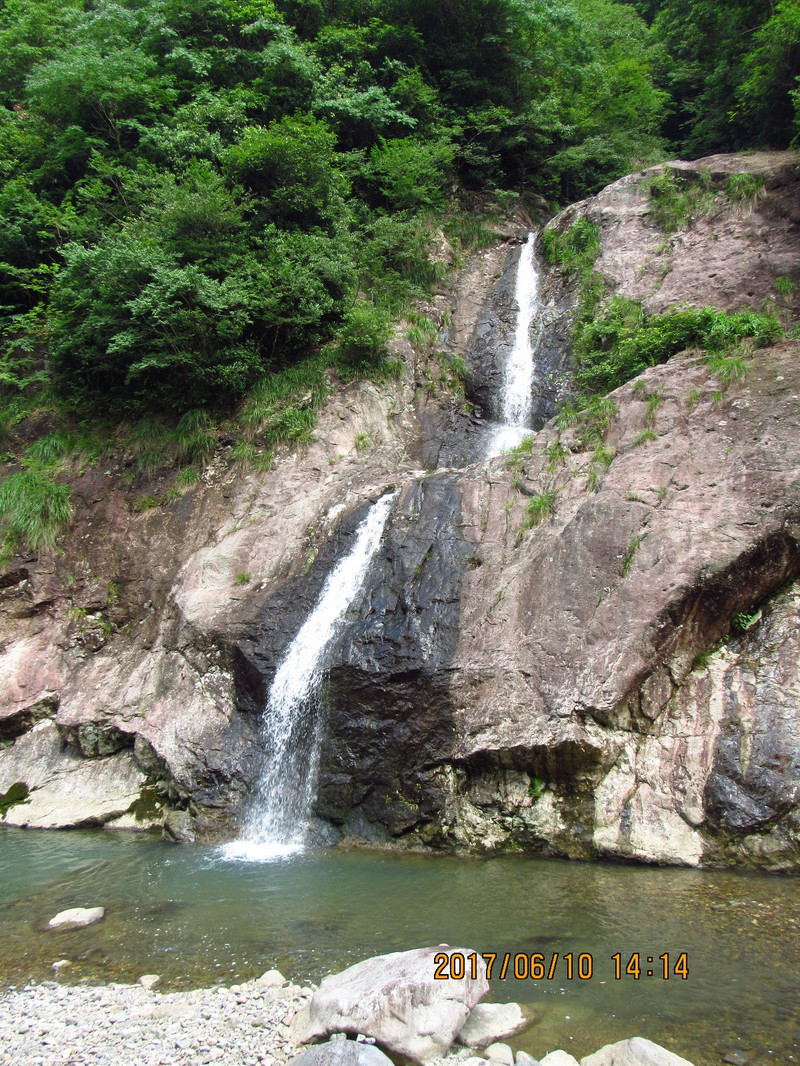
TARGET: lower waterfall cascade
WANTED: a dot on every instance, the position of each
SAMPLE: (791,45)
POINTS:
(292,725)
(519,375)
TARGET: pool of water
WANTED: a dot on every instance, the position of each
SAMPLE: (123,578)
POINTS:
(196,918)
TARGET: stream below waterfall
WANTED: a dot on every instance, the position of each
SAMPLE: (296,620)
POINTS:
(195,919)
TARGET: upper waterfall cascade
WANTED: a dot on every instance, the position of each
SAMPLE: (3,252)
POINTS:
(292,725)
(519,376)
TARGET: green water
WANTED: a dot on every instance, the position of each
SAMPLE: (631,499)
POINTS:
(186,914)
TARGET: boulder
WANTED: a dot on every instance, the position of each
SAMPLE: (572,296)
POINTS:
(149,980)
(634,1052)
(342,1053)
(559,1058)
(76,917)
(395,999)
(500,1053)
(64,789)
(488,1022)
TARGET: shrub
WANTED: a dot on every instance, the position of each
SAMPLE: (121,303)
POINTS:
(676,198)
(575,249)
(624,340)
(745,189)
(362,341)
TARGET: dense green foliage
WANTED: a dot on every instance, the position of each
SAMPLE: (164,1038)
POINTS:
(199,195)
(622,341)
(731,68)
(212,204)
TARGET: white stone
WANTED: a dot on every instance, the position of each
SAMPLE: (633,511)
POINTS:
(488,1022)
(501,1053)
(149,980)
(634,1052)
(75,917)
(524,1059)
(271,979)
(396,999)
(559,1058)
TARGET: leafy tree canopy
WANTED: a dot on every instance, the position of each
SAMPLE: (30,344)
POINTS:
(198,194)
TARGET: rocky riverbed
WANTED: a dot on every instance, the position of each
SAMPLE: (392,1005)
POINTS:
(390,1004)
(249,1024)
(130,1025)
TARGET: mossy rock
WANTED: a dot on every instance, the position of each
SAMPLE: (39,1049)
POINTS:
(17,793)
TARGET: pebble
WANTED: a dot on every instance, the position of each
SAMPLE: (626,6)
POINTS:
(132,1025)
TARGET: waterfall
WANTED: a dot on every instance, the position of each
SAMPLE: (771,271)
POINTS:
(516,396)
(292,726)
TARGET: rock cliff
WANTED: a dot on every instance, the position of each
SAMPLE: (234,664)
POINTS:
(620,679)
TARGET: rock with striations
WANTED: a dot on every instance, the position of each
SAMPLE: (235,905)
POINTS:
(395,999)
(342,1053)
(634,1052)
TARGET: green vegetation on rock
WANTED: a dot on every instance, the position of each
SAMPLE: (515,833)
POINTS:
(16,793)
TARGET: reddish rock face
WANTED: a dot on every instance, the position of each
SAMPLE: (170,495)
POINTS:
(620,679)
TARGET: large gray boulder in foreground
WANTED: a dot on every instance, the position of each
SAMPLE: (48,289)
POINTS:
(396,999)
(342,1053)
(634,1052)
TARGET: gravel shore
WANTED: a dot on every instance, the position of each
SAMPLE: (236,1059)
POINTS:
(127,1025)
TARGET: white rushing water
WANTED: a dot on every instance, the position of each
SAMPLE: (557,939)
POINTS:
(516,398)
(292,725)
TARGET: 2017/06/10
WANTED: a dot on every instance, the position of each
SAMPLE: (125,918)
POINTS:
(538,967)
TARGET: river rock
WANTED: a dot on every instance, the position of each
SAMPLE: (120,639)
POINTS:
(522,1058)
(76,917)
(559,1058)
(634,1052)
(395,999)
(149,980)
(500,1053)
(342,1053)
(488,1022)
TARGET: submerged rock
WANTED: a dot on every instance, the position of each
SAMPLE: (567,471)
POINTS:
(396,999)
(76,917)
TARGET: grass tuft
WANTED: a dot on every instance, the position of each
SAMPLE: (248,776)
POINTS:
(34,510)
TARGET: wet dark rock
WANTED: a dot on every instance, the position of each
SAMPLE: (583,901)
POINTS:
(388,709)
